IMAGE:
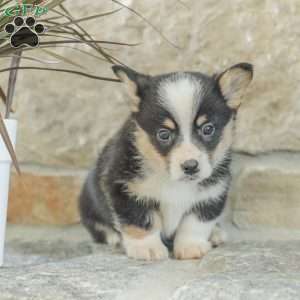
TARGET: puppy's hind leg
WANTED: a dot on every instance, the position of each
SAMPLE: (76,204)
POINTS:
(111,236)
(102,233)
(96,214)
(97,235)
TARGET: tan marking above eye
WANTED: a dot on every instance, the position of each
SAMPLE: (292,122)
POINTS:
(200,120)
(169,124)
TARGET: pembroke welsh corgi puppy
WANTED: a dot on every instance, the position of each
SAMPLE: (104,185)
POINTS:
(161,182)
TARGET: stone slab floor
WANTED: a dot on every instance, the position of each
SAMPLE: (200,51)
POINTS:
(62,263)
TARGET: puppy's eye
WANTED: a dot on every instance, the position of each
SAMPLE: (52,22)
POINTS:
(164,135)
(208,129)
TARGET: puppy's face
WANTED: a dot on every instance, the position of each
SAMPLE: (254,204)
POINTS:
(185,121)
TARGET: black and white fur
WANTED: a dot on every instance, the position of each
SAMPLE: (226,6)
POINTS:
(162,181)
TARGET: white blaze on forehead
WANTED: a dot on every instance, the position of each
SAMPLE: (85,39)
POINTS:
(181,95)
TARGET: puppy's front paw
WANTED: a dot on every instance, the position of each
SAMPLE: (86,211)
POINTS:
(148,248)
(191,249)
(218,236)
(147,252)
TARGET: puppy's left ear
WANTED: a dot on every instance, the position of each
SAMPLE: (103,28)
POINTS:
(233,83)
(134,83)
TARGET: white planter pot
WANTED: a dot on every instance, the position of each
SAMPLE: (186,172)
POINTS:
(5,164)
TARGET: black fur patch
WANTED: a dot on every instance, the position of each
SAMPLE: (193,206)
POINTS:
(221,171)
(216,111)
(151,117)
(168,241)
(132,211)
(122,158)
(210,210)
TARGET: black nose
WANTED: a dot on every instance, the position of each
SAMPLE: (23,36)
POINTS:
(190,166)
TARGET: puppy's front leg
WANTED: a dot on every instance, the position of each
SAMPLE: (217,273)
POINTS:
(192,238)
(141,243)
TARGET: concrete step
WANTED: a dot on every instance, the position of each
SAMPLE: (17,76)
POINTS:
(62,263)
(265,191)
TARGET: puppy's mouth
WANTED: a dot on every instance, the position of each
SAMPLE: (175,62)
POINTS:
(187,178)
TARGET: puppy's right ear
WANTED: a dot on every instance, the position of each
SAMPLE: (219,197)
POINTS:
(233,83)
(133,81)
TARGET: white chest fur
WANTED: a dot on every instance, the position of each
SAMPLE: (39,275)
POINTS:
(175,198)
(178,198)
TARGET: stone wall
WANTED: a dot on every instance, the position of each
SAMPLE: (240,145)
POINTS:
(65,120)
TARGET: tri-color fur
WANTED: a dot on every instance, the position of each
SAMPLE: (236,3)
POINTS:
(162,181)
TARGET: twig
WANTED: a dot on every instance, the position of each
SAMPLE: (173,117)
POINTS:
(15,62)
(148,22)
(9,146)
(64,71)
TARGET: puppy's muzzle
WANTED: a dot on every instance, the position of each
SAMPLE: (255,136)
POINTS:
(190,167)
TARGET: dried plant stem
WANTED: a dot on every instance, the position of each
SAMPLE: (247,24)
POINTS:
(15,62)
(155,28)
(64,71)
(9,146)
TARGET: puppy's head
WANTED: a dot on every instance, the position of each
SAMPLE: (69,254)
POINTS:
(185,121)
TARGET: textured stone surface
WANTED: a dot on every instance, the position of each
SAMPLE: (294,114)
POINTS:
(247,271)
(32,245)
(64,264)
(65,120)
(265,191)
(37,198)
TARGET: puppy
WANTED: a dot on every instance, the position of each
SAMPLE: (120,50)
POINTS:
(161,182)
